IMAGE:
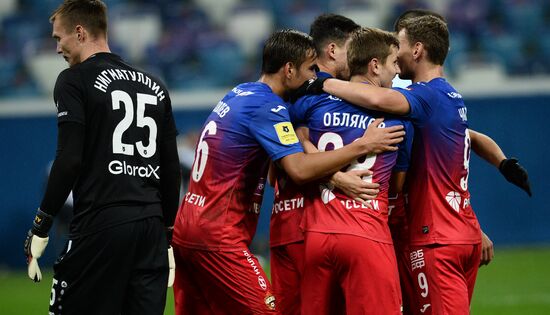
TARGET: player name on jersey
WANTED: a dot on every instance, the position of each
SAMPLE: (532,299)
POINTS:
(335,119)
(105,77)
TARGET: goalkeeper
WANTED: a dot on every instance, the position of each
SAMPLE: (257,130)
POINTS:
(117,152)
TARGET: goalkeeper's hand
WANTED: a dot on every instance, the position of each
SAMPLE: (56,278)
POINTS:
(172,266)
(171,260)
(36,242)
(515,174)
(311,86)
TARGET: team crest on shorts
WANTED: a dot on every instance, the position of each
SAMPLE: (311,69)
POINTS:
(270,301)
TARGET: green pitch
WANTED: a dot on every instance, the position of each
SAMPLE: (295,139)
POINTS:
(516,282)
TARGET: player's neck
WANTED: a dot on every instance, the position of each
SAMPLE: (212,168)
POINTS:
(275,83)
(426,72)
(371,79)
(324,66)
(94,47)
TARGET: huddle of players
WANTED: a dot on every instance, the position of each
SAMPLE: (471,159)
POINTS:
(331,247)
(331,243)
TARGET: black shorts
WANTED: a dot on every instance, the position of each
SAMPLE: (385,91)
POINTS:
(120,270)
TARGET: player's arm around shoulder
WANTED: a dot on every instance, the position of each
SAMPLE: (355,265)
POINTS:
(349,182)
(369,96)
(302,167)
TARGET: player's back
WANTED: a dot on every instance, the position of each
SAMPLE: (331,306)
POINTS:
(440,210)
(126,114)
(332,124)
(220,211)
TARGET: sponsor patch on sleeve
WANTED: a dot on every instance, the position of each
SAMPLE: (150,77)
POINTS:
(286,133)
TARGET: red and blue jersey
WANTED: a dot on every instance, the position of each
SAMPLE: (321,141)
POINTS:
(440,210)
(249,127)
(288,208)
(332,124)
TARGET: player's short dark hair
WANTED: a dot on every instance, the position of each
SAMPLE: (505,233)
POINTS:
(286,46)
(91,14)
(398,25)
(367,44)
(331,27)
(432,32)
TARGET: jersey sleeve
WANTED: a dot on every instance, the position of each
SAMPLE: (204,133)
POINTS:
(69,97)
(404,153)
(272,128)
(419,97)
(170,129)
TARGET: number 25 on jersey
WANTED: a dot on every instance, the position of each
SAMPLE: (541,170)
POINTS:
(119,147)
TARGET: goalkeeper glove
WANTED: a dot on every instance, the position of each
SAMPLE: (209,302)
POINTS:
(36,242)
(311,86)
(171,260)
(515,174)
(172,266)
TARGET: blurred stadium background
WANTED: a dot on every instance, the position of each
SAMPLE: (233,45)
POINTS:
(499,60)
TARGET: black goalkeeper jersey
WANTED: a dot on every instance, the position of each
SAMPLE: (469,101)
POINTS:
(126,114)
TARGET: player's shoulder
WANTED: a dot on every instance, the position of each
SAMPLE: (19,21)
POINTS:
(419,87)
(436,86)
(424,91)
(146,74)
(315,101)
(446,89)
(68,79)
(255,94)
(68,74)
(250,90)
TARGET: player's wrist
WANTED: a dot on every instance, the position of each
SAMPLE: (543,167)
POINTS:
(368,147)
(318,86)
(509,169)
(336,179)
(502,164)
(41,224)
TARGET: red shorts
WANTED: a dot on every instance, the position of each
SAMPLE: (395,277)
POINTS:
(405,276)
(215,282)
(364,270)
(287,267)
(444,277)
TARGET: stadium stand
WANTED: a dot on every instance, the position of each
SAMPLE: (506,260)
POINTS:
(172,38)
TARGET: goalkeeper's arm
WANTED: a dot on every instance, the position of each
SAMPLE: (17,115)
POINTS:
(65,170)
(170,182)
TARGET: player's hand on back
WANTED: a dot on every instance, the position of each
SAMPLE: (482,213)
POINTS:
(352,184)
(36,242)
(378,140)
(515,174)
